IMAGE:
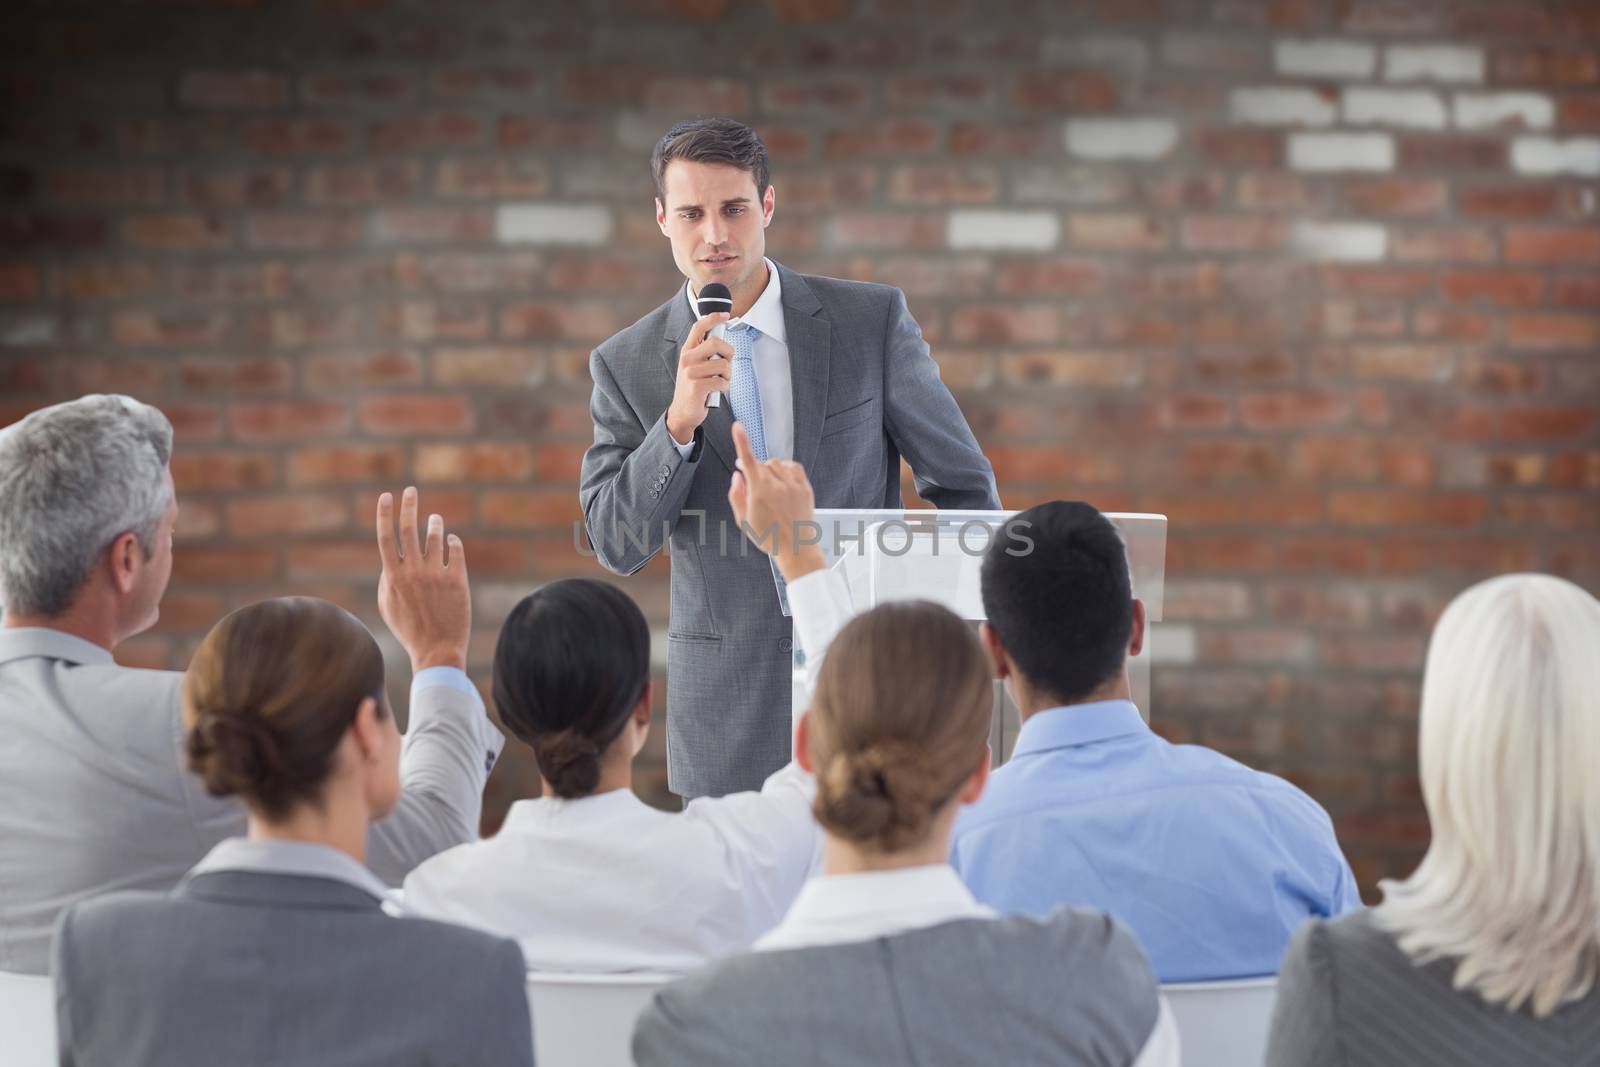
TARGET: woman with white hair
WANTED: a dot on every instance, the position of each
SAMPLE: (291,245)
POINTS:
(1488,953)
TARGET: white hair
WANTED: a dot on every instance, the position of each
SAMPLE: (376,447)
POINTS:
(73,478)
(1510,746)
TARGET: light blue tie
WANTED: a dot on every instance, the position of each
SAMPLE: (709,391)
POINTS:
(744,393)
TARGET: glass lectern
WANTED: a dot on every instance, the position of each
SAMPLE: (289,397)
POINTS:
(923,554)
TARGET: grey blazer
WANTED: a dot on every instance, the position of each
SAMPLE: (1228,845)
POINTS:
(1349,997)
(1072,990)
(866,392)
(94,796)
(245,969)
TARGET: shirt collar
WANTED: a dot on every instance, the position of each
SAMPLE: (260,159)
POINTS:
(766,314)
(839,908)
(1079,724)
(578,810)
(300,858)
(25,642)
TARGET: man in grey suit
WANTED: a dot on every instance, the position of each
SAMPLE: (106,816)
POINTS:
(93,794)
(833,375)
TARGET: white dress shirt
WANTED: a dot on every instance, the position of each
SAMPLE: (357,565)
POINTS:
(837,909)
(607,883)
(770,355)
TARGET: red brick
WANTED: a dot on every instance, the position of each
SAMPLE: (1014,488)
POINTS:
(1530,245)
(1317,604)
(1246,367)
(1048,276)
(108,281)
(234,564)
(493,178)
(487,81)
(1403,363)
(1293,410)
(1472,555)
(1554,65)
(457,507)
(1452,153)
(193,422)
(1396,196)
(1548,424)
(1575,470)
(1501,377)
(1452,324)
(887,137)
(1387,16)
(553,509)
(546,134)
(1068,92)
(825,94)
(235,374)
(1220,554)
(1268,510)
(689,94)
(358,88)
(1580,292)
(476,272)
(236,187)
(432,225)
(304,230)
(333,559)
(233,90)
(1552,331)
(1442,246)
(1020,324)
(1196,411)
(427,320)
(1255,646)
(190,610)
(347,370)
(147,651)
(475,463)
(588,322)
(1563,512)
(288,513)
(1328,555)
(1580,112)
(288,421)
(295,327)
(363,183)
(19,281)
(1365,508)
(1017,140)
(431,414)
(299,137)
(1378,281)
(922,92)
(807,11)
(177,328)
(1117,232)
(346,465)
(195,470)
(944,184)
(1502,288)
(1232,233)
(1272,192)
(177,232)
(500,365)
(1508,201)
(1253,149)
(426,133)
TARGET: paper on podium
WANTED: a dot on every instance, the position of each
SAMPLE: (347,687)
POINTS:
(924,554)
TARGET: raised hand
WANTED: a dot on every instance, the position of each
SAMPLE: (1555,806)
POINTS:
(423,594)
(773,499)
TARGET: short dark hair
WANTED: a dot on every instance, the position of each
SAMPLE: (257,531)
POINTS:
(722,141)
(1064,609)
(570,666)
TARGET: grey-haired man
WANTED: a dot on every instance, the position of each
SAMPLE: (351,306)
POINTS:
(93,793)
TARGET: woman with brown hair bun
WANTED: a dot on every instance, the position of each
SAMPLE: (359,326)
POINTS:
(886,957)
(282,946)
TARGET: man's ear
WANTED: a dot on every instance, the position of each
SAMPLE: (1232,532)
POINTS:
(974,785)
(769,201)
(367,729)
(997,651)
(1136,634)
(661,215)
(802,744)
(125,558)
(641,712)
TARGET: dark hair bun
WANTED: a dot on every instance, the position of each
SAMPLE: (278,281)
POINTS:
(569,762)
(235,754)
(878,794)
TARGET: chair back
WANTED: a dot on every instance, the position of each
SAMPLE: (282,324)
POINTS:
(586,1020)
(28,1020)
(1223,1024)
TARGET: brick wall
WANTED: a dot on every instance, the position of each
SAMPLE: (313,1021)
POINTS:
(1316,279)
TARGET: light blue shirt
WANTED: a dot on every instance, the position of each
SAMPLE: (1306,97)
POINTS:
(1212,865)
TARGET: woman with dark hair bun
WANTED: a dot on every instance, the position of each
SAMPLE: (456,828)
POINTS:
(588,877)
(282,946)
(885,957)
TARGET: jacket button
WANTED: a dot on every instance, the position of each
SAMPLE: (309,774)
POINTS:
(785,645)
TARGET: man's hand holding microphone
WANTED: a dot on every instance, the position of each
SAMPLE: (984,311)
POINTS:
(705,366)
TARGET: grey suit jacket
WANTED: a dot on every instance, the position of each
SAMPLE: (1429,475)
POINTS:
(1070,990)
(1349,997)
(94,795)
(866,392)
(245,968)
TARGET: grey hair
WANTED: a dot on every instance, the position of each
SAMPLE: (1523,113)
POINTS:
(73,478)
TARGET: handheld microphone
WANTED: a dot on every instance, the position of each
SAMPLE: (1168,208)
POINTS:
(713,298)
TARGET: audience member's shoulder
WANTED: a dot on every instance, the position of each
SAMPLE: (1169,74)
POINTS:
(1212,767)
(1358,934)
(447,940)
(1093,942)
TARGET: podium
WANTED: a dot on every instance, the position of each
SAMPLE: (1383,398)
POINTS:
(924,554)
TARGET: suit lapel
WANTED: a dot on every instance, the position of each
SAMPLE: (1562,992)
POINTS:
(810,341)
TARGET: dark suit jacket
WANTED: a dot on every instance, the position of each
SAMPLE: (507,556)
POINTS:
(866,392)
(244,969)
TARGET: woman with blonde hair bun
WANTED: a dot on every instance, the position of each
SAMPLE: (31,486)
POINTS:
(1489,952)
(885,957)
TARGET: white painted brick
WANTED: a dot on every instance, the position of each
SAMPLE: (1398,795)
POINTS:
(552,224)
(1341,151)
(25,331)
(1027,231)
(1281,107)
(1433,62)
(1128,57)
(1475,111)
(1171,643)
(1325,58)
(1121,138)
(1417,108)
(1544,155)
(1347,242)
(638,131)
